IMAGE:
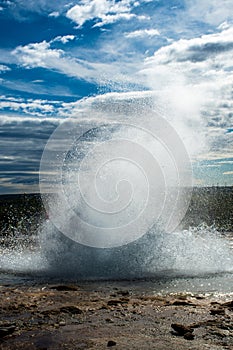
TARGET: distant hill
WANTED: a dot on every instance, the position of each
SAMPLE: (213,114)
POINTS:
(209,205)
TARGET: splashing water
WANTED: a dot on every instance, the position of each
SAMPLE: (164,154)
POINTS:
(118,221)
(196,252)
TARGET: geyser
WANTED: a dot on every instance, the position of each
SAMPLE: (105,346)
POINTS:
(120,180)
(115,174)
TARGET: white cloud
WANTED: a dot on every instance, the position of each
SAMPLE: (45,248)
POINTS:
(197,49)
(142,33)
(36,107)
(105,11)
(42,55)
(64,39)
(54,14)
(108,19)
(4,68)
(18,119)
(37,54)
(210,11)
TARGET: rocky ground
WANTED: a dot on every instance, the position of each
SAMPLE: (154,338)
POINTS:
(91,316)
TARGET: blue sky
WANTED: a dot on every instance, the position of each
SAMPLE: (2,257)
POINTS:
(56,54)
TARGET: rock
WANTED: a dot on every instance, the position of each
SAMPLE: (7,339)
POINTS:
(115,302)
(180,329)
(182,303)
(6,330)
(71,309)
(219,311)
(109,320)
(111,343)
(222,333)
(124,293)
(189,336)
(62,323)
(64,288)
(228,304)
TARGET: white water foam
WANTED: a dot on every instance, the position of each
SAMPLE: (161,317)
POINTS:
(194,252)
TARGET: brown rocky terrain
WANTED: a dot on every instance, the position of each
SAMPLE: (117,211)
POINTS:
(90,316)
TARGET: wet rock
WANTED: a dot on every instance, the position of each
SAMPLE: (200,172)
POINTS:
(111,343)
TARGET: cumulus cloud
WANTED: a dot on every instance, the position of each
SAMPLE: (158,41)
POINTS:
(104,11)
(37,54)
(142,33)
(64,39)
(197,49)
(33,107)
(109,19)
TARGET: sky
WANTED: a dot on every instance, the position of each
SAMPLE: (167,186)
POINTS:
(58,57)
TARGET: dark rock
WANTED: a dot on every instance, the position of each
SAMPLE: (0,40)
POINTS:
(6,330)
(115,302)
(228,304)
(182,303)
(180,329)
(124,293)
(109,320)
(64,288)
(189,336)
(71,309)
(111,343)
(219,311)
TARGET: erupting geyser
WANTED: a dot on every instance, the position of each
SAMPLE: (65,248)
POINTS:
(115,175)
(120,183)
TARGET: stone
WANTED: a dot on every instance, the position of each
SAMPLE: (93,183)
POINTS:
(111,343)
(180,329)
(64,288)
(189,336)
(6,330)
(218,311)
(182,303)
(71,309)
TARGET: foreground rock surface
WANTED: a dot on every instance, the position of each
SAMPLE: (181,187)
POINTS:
(100,316)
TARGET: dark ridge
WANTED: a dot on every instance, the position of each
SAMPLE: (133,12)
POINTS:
(210,205)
